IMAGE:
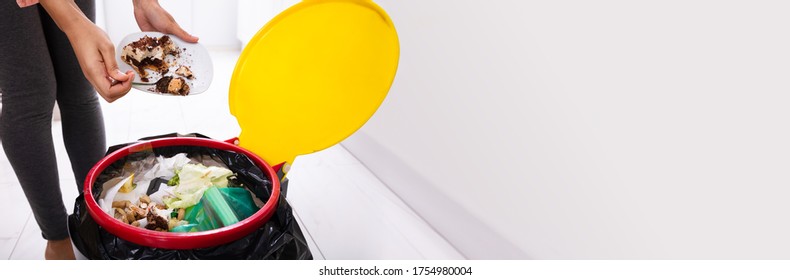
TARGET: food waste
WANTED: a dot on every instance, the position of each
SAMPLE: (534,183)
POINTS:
(171,194)
(158,54)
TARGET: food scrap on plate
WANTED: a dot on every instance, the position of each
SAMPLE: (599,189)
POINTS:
(158,54)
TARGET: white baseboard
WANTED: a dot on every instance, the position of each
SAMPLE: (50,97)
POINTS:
(468,234)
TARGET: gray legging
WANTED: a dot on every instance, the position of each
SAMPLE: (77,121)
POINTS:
(38,68)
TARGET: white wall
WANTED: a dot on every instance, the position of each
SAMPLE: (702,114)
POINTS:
(591,129)
(215,23)
(254,14)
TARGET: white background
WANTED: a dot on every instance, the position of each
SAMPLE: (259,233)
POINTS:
(591,129)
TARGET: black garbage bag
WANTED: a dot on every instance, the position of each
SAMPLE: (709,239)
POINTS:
(279,238)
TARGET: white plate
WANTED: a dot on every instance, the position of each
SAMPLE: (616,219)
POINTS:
(194,56)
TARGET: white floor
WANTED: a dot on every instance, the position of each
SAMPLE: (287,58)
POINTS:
(344,210)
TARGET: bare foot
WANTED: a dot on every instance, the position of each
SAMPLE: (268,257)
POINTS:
(59,250)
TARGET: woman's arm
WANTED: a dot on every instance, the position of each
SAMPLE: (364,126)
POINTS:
(94,50)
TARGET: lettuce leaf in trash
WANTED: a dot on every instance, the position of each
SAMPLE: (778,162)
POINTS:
(193,180)
(173,181)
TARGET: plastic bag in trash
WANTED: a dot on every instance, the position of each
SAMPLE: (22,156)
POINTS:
(279,238)
(219,207)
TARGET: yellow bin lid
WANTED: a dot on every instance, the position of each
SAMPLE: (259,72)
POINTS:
(312,76)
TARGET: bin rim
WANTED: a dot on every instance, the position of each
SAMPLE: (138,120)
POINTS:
(172,240)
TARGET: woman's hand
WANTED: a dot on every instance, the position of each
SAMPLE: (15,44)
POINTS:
(94,50)
(151,17)
(96,55)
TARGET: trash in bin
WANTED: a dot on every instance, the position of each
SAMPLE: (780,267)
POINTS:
(190,183)
(193,180)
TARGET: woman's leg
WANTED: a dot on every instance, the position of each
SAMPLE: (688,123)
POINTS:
(27,84)
(81,115)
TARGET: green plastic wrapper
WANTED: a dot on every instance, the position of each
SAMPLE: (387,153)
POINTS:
(217,208)
(240,200)
(184,228)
